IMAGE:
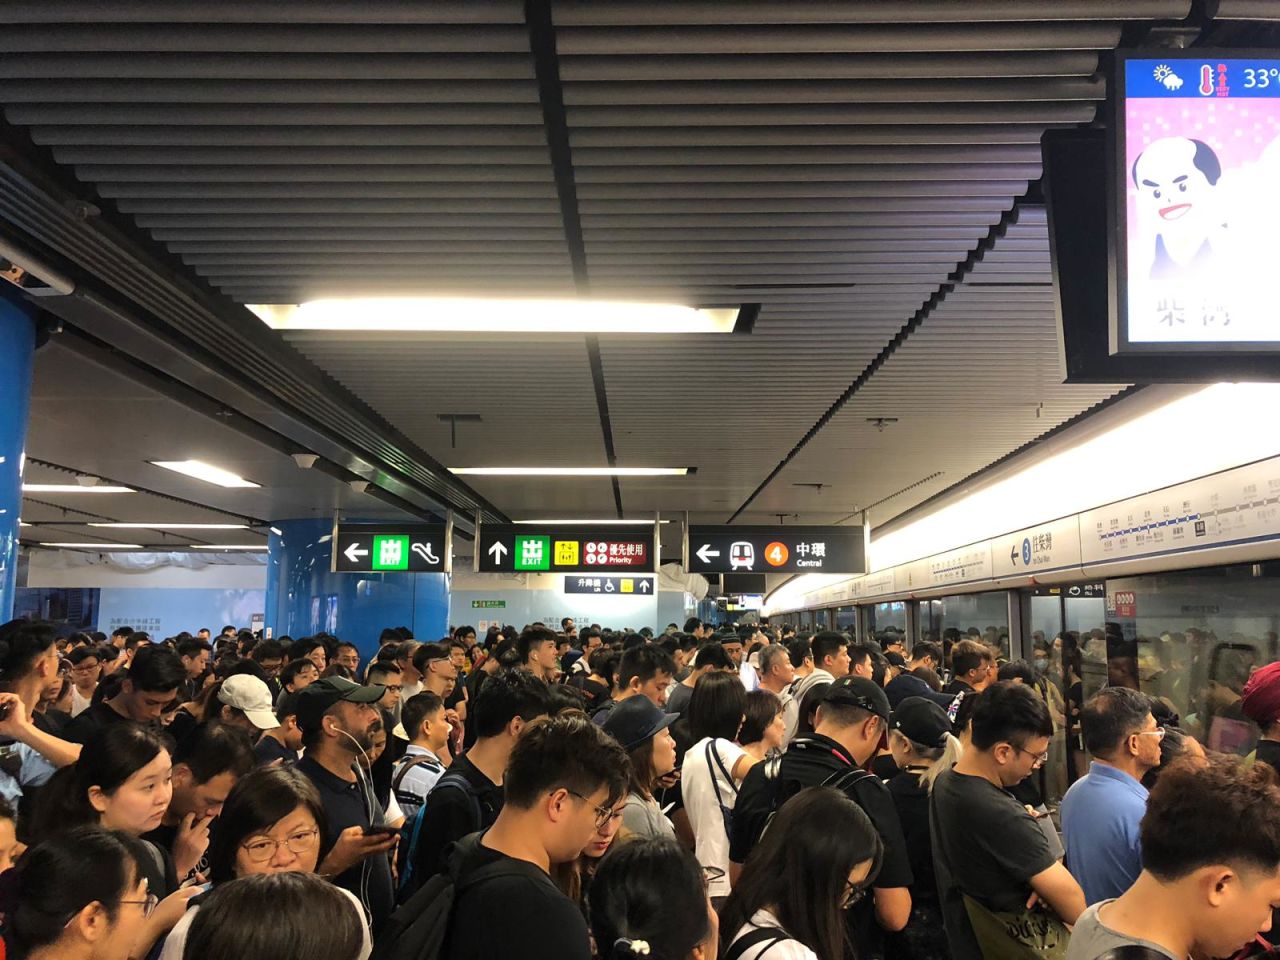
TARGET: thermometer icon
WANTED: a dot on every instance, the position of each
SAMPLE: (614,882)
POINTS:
(1206,79)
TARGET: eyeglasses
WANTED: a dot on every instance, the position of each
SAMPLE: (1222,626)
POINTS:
(603,814)
(710,875)
(1158,733)
(1040,758)
(393,687)
(262,849)
(853,893)
(449,676)
(148,905)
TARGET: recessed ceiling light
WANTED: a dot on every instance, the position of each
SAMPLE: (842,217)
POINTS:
(73,488)
(171,526)
(229,546)
(478,315)
(204,471)
(570,471)
(95,546)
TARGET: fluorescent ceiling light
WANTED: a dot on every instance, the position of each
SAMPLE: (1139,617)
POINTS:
(569,471)
(95,546)
(204,471)
(593,523)
(477,315)
(228,546)
(171,526)
(73,488)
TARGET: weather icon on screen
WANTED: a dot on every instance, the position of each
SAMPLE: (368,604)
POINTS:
(1164,74)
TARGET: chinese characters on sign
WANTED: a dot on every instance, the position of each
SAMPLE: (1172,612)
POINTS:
(636,586)
(782,549)
(563,549)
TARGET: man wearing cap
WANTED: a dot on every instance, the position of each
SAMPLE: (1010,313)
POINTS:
(851,723)
(338,718)
(1261,704)
(246,703)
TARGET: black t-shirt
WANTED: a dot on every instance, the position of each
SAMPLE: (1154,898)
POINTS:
(451,815)
(269,750)
(1268,751)
(82,728)
(157,867)
(957,686)
(992,845)
(596,693)
(884,766)
(382,767)
(51,721)
(346,804)
(522,916)
(810,761)
(911,800)
(909,685)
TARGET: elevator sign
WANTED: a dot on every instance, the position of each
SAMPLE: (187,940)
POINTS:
(389,548)
(783,549)
(512,548)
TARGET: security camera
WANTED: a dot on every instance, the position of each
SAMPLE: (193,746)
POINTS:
(359,486)
(305,461)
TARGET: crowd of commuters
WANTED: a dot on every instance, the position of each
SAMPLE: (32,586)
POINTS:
(550,792)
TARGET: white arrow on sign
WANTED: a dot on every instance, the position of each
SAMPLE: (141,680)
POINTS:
(644,586)
(354,553)
(496,551)
(705,553)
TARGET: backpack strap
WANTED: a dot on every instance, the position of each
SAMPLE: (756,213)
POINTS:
(406,767)
(713,753)
(770,935)
(1131,951)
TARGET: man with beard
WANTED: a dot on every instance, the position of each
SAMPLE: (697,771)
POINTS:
(338,719)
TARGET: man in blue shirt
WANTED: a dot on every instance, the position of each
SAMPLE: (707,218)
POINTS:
(1102,810)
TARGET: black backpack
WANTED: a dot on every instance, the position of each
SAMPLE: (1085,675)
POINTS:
(781,791)
(411,832)
(418,928)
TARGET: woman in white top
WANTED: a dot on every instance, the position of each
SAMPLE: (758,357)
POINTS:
(648,902)
(713,768)
(273,822)
(817,858)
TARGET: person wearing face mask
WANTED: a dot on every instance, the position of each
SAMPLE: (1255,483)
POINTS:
(641,728)
(338,718)
(648,899)
(80,895)
(273,822)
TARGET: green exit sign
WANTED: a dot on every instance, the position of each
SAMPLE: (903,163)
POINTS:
(487,604)
(390,553)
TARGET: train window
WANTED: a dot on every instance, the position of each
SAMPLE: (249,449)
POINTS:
(847,619)
(980,616)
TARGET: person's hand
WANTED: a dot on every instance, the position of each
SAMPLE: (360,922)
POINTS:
(455,721)
(352,847)
(190,843)
(163,919)
(15,722)
(668,780)
(1033,900)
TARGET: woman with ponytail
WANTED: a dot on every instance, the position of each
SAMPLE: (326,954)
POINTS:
(649,902)
(923,745)
(81,895)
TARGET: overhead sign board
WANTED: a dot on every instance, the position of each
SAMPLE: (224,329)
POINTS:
(579,548)
(781,549)
(390,548)
(627,586)
(1054,545)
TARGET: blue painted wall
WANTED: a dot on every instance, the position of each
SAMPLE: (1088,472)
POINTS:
(304,596)
(17,348)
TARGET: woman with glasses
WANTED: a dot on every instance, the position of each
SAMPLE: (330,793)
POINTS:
(817,858)
(81,894)
(273,822)
(649,900)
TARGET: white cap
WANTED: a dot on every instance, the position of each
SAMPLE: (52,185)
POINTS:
(248,693)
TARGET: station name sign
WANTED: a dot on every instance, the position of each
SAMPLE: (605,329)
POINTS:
(781,549)
(390,548)
(577,548)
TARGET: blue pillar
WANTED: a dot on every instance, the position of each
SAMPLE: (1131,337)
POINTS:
(17,349)
(305,597)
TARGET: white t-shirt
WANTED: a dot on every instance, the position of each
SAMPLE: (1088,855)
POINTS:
(781,950)
(79,702)
(176,942)
(703,807)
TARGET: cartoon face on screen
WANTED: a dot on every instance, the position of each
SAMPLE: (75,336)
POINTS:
(1176,180)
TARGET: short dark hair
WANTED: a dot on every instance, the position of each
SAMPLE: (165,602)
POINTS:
(927,648)
(567,751)
(191,646)
(428,652)
(692,624)
(287,705)
(763,707)
(156,668)
(799,651)
(22,642)
(1008,712)
(969,655)
(267,650)
(712,655)
(219,932)
(121,632)
(347,643)
(506,695)
(531,639)
(293,668)
(716,707)
(463,631)
(215,748)
(259,799)
(81,654)
(382,668)
(929,676)
(860,653)
(1110,716)
(1017,670)
(644,663)
(417,708)
(1216,812)
(827,644)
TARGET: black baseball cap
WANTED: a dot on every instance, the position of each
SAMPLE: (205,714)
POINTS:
(859,692)
(315,699)
(635,720)
(922,721)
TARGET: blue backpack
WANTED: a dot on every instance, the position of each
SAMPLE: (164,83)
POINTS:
(411,832)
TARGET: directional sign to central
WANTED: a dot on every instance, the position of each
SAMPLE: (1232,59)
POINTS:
(389,548)
(779,549)
(526,548)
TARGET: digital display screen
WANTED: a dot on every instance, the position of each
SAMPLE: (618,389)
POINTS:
(1198,164)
